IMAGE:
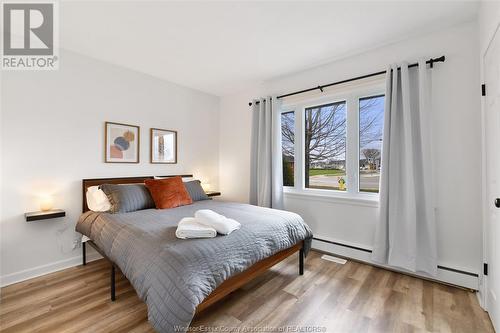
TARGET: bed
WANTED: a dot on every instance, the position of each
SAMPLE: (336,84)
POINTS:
(179,278)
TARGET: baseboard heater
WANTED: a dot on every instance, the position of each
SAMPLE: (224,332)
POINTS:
(454,270)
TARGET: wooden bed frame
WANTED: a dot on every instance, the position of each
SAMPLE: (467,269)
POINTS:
(228,286)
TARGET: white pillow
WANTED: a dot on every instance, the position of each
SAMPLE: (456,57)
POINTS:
(184,179)
(97,200)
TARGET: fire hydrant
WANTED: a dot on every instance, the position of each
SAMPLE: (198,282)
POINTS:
(341,182)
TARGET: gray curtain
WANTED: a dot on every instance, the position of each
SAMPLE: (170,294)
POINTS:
(406,231)
(266,179)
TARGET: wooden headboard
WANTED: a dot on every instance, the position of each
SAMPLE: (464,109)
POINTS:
(86,183)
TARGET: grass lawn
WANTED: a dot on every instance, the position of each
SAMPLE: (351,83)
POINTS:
(371,190)
(327,172)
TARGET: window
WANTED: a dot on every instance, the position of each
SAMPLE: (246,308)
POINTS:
(288,147)
(325,146)
(371,121)
(333,146)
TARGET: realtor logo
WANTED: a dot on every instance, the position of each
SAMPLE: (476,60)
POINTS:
(29,36)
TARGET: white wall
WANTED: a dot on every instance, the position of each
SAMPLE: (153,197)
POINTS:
(457,142)
(489,18)
(52,136)
(235,141)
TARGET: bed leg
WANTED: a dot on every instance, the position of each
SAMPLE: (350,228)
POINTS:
(301,261)
(84,253)
(113,282)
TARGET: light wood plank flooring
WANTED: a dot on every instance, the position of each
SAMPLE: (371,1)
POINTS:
(339,298)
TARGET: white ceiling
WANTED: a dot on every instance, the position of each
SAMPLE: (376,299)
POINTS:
(223,47)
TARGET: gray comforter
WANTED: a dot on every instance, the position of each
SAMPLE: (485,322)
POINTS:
(172,275)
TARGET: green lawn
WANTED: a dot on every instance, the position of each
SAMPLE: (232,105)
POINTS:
(371,190)
(327,172)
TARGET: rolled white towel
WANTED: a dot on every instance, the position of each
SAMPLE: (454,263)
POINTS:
(189,227)
(222,224)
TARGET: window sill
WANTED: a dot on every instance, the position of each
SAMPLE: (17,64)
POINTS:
(367,200)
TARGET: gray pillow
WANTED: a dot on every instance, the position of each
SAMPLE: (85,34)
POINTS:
(195,190)
(126,198)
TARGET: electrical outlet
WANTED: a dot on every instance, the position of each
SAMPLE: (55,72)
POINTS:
(76,244)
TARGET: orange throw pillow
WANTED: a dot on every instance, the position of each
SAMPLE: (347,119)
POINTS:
(168,192)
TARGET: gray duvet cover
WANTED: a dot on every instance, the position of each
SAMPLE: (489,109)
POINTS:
(172,275)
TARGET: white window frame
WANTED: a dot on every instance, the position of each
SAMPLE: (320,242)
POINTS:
(351,95)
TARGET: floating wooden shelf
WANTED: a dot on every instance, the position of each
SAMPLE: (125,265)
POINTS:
(49,214)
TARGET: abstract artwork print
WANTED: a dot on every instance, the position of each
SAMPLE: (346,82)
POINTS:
(163,146)
(122,143)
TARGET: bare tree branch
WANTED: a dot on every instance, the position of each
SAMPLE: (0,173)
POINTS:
(325,131)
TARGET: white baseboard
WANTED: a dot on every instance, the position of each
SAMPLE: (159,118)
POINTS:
(447,276)
(463,280)
(27,274)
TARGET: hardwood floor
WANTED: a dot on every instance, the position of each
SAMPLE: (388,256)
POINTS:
(329,297)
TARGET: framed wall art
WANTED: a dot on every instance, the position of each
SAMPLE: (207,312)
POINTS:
(163,146)
(121,143)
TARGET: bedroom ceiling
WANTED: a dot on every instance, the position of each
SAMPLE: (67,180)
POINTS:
(224,47)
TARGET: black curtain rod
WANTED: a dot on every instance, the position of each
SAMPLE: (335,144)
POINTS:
(430,62)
